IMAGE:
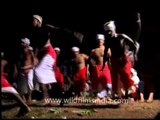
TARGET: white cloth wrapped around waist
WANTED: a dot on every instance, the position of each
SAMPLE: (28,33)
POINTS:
(44,71)
(9,90)
(135,77)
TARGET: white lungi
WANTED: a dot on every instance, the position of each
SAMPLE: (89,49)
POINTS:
(44,71)
(30,79)
(9,90)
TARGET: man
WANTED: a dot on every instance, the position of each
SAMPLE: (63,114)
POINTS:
(121,65)
(98,77)
(45,69)
(37,21)
(37,30)
(6,87)
(26,65)
(45,54)
(79,71)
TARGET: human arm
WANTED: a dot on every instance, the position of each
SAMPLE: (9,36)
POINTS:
(78,35)
(106,56)
(139,27)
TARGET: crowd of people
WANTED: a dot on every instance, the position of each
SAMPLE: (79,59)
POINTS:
(108,71)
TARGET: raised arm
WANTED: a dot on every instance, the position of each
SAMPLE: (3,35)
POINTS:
(138,31)
(129,40)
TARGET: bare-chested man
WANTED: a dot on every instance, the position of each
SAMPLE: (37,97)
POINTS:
(25,83)
(79,71)
(7,88)
(100,79)
(121,65)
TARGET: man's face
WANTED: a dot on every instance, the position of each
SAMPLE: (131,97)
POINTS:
(110,33)
(100,42)
(75,53)
(57,52)
(24,44)
(35,22)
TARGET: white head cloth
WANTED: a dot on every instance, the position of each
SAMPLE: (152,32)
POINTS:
(75,49)
(109,26)
(39,18)
(26,41)
(100,37)
(57,49)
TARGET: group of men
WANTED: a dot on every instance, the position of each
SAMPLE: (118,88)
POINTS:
(104,67)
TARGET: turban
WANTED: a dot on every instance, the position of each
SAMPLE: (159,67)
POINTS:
(57,49)
(39,18)
(109,26)
(26,41)
(100,36)
(75,49)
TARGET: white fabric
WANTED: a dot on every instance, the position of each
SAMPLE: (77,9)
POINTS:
(102,94)
(134,77)
(87,88)
(57,49)
(39,18)
(100,36)
(9,90)
(30,48)
(109,85)
(26,41)
(75,49)
(30,79)
(44,70)
(109,26)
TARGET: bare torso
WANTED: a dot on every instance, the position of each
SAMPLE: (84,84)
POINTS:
(79,61)
(97,55)
(27,60)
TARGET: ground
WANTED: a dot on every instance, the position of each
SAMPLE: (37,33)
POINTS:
(126,109)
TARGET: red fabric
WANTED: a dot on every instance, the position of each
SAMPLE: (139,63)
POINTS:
(4,82)
(80,78)
(59,78)
(121,69)
(100,77)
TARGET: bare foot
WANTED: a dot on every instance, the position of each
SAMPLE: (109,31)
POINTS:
(142,100)
(23,111)
(149,101)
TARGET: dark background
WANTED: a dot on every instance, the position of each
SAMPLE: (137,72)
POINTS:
(88,18)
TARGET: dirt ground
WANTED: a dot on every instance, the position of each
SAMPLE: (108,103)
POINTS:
(133,110)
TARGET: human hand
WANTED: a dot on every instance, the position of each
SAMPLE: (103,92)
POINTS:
(138,17)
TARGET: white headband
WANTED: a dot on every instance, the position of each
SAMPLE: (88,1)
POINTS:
(100,36)
(109,26)
(57,49)
(39,18)
(26,41)
(75,49)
